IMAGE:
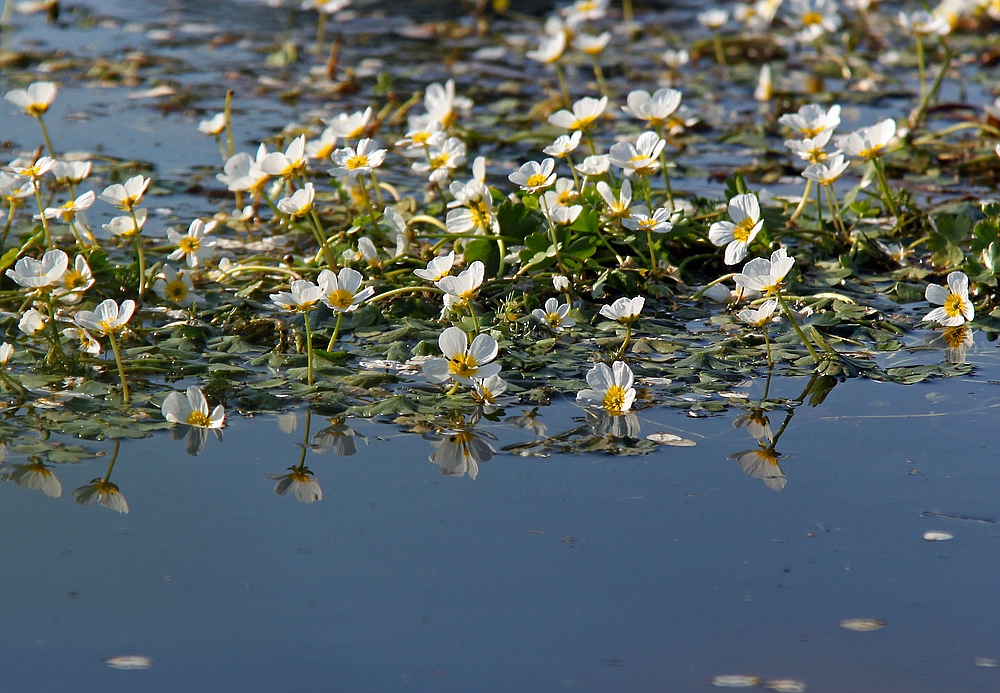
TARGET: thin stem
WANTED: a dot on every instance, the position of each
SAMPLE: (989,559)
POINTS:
(336,331)
(884,184)
(552,232)
(720,51)
(45,134)
(140,256)
(114,458)
(121,368)
(41,213)
(798,330)
(309,349)
(921,67)
(562,85)
(802,202)
(628,336)
(599,76)
(767,345)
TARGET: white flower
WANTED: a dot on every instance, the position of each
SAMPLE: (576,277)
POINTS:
(659,222)
(592,45)
(765,87)
(6,352)
(554,315)
(610,388)
(462,362)
(533,176)
(550,48)
(585,112)
(74,282)
(213,125)
(765,275)
(40,274)
(465,286)
(323,147)
(459,452)
(760,316)
(176,286)
(595,165)
(350,126)
(560,282)
(82,340)
(713,19)
(443,105)
(299,203)
(125,226)
(301,297)
(655,109)
(438,268)
(74,172)
(868,142)
(924,23)
(126,196)
(191,408)
(193,246)
(812,119)
(68,210)
(675,59)
(956,308)
(288,165)
(811,149)
(355,162)
(35,100)
(564,145)
(827,173)
(486,391)
(640,158)
(108,318)
(342,292)
(624,310)
(736,235)
(31,322)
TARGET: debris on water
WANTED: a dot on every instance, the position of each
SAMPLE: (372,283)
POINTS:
(129,662)
(785,685)
(736,681)
(938,536)
(670,439)
(862,625)
(987,662)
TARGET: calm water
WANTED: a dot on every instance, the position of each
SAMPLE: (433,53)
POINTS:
(585,572)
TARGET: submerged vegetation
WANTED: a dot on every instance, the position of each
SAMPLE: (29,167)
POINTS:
(677,209)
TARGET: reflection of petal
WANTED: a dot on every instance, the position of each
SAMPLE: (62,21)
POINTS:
(34,476)
(197,438)
(341,438)
(614,425)
(299,480)
(761,463)
(956,342)
(756,424)
(460,452)
(104,492)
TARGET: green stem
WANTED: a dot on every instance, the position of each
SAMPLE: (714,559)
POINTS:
(884,184)
(921,67)
(114,458)
(628,336)
(41,213)
(802,202)
(336,331)
(562,85)
(45,134)
(309,349)
(795,325)
(121,369)
(720,51)
(599,76)
(767,345)
(552,232)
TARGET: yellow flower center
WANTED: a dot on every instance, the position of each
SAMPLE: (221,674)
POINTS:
(421,137)
(743,230)
(189,244)
(953,306)
(481,216)
(954,337)
(74,279)
(199,419)
(811,18)
(176,291)
(36,109)
(463,365)
(614,399)
(357,161)
(553,319)
(768,455)
(583,123)
(535,180)
(341,299)
(439,161)
(566,197)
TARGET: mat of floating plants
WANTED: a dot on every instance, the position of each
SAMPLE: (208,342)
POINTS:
(499,345)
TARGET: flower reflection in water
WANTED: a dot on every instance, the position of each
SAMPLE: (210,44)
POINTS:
(103,490)
(956,342)
(339,437)
(34,475)
(460,450)
(762,462)
(299,479)
(607,425)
